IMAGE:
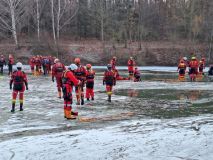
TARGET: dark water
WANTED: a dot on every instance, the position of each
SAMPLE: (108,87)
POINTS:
(172,103)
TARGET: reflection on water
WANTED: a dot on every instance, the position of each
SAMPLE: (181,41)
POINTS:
(166,103)
(166,94)
(132,92)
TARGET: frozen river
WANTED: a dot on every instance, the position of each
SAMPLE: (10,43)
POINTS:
(158,118)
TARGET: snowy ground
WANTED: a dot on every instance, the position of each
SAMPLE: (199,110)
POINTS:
(127,128)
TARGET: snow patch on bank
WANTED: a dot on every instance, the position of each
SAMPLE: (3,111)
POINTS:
(141,139)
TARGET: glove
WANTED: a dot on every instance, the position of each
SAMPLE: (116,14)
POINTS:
(53,79)
(80,83)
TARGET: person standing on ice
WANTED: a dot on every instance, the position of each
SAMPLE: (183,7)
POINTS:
(10,64)
(90,75)
(193,65)
(80,74)
(137,75)
(57,72)
(2,63)
(19,82)
(113,63)
(182,70)
(201,65)
(32,64)
(69,81)
(131,64)
(109,80)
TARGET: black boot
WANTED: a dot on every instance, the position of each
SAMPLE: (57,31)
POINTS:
(109,98)
(82,101)
(92,98)
(87,99)
(13,108)
(21,106)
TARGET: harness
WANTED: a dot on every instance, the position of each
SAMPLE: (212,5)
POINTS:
(59,67)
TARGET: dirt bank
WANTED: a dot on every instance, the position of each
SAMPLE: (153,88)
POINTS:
(92,51)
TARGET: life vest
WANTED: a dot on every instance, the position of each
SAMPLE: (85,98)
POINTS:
(11,61)
(2,61)
(18,80)
(182,66)
(137,74)
(80,72)
(66,80)
(90,75)
(37,61)
(130,63)
(59,67)
(109,76)
(193,64)
(46,61)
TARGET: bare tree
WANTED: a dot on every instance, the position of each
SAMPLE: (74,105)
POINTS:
(99,11)
(53,20)
(14,9)
(63,11)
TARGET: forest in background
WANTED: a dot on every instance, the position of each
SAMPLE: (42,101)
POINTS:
(45,22)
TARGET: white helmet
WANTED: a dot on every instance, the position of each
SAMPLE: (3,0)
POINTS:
(185,58)
(56,60)
(73,67)
(19,65)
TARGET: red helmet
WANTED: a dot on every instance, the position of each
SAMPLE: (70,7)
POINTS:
(88,66)
(77,60)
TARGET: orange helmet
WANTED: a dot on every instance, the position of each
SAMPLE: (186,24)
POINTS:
(88,66)
(77,60)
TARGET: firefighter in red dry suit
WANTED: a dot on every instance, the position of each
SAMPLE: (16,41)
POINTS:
(182,70)
(90,75)
(19,82)
(32,64)
(10,64)
(137,75)
(2,63)
(80,74)
(131,64)
(57,72)
(201,65)
(193,65)
(69,81)
(109,80)
(113,62)
(37,65)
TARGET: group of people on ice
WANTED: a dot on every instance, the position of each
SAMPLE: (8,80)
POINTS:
(76,76)
(9,63)
(196,68)
(37,63)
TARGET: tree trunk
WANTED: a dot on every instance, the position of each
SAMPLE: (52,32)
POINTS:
(38,19)
(12,11)
(53,20)
(58,19)
(102,31)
